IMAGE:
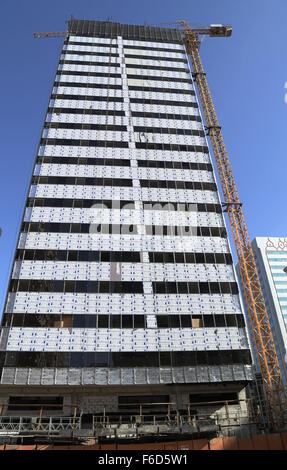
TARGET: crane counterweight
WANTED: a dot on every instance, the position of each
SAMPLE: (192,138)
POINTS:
(220,30)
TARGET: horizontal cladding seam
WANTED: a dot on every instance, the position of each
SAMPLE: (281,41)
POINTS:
(198,322)
(51,259)
(93,228)
(125,47)
(108,112)
(143,89)
(117,127)
(121,192)
(91,303)
(166,277)
(123,256)
(83,53)
(172,67)
(124,181)
(70,241)
(136,90)
(122,359)
(106,161)
(67,51)
(147,220)
(85,85)
(85,73)
(129,65)
(112,99)
(124,204)
(168,177)
(111,49)
(123,128)
(103,323)
(121,287)
(122,144)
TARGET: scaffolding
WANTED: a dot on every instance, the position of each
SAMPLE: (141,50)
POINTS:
(213,419)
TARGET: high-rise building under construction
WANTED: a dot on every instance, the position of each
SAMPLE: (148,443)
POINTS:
(123,295)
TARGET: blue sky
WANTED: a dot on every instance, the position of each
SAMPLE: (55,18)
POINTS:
(247,74)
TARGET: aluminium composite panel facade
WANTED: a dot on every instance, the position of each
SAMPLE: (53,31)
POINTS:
(123,273)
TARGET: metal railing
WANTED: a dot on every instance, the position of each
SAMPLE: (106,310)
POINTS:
(48,424)
(38,422)
(228,415)
(220,414)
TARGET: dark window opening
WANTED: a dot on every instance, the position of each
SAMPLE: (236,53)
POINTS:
(209,399)
(32,403)
(28,359)
(144,402)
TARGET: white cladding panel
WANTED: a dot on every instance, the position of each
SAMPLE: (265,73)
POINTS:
(123,172)
(113,304)
(148,217)
(123,153)
(82,241)
(135,193)
(175,339)
(59,270)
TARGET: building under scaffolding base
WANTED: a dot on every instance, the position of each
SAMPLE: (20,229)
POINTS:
(122,318)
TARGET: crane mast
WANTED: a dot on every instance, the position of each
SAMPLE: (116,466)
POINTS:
(267,356)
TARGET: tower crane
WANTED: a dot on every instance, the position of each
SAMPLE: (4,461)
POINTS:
(272,380)
(269,365)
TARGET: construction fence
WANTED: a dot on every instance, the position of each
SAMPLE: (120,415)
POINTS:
(257,442)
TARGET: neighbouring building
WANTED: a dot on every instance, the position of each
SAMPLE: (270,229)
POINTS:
(271,261)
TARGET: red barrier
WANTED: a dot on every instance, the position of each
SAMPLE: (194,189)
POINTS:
(170,445)
(274,442)
(284,440)
(230,443)
(147,446)
(185,445)
(216,444)
(260,442)
(108,447)
(245,444)
(31,447)
(44,447)
(200,444)
(257,442)
(61,448)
